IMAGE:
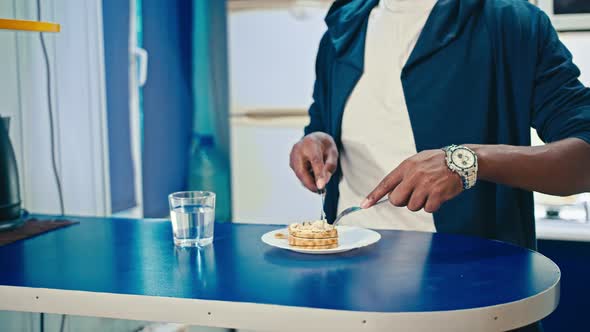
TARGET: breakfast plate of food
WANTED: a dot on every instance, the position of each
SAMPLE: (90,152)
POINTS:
(319,237)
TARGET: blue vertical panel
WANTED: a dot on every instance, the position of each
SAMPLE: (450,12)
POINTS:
(209,166)
(116,52)
(218,41)
(167,101)
(210,72)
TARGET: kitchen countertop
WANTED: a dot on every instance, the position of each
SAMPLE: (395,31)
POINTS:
(550,229)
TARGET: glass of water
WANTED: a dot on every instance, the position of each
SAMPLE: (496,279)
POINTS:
(193,216)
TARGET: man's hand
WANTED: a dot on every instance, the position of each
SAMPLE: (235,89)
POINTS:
(314,160)
(421,181)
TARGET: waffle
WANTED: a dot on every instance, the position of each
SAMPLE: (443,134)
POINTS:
(301,242)
(330,246)
(313,235)
(319,229)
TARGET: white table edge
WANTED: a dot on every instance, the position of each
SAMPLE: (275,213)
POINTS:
(267,317)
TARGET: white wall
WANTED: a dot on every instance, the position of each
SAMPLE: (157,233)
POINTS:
(579,44)
(76,58)
(268,70)
(9,92)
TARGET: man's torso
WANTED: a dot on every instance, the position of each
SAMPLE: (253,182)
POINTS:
(376,131)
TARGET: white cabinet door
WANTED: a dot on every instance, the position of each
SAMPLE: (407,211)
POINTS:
(264,188)
(272,56)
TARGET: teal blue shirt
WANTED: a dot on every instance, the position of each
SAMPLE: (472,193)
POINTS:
(482,72)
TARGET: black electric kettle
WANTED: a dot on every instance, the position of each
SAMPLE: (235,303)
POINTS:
(11,214)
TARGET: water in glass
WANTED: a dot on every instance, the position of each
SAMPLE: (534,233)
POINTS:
(193,225)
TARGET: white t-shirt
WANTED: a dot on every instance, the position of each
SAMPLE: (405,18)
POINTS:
(376,131)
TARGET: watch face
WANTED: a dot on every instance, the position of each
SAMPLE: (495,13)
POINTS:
(463,158)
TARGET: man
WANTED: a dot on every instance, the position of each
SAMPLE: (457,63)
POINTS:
(400,82)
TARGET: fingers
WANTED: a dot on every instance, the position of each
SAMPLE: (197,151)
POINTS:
(417,200)
(404,188)
(432,204)
(401,194)
(300,166)
(435,199)
(421,181)
(386,185)
(314,159)
(330,164)
(408,193)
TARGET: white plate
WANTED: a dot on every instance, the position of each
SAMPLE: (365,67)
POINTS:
(349,237)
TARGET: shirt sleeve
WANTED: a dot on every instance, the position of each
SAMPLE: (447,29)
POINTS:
(561,105)
(317,110)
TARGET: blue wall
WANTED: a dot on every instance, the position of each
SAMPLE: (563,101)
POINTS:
(116,61)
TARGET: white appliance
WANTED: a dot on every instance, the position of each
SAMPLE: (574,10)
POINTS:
(272,50)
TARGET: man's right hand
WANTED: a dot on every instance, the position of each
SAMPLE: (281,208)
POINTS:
(314,159)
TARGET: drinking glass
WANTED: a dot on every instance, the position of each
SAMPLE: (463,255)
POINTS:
(193,215)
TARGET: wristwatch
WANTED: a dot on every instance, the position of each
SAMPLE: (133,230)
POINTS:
(463,161)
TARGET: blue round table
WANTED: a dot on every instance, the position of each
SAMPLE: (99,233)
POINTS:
(411,281)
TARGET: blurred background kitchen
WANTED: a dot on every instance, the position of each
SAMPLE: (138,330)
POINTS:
(155,96)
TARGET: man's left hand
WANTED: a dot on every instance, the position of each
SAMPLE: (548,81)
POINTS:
(421,181)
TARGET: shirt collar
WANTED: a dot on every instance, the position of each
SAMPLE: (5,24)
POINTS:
(407,5)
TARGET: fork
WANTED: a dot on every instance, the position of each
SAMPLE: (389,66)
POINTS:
(322,193)
(354,209)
